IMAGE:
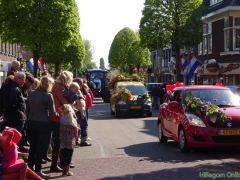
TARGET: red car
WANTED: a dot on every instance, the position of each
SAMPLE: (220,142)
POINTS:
(196,129)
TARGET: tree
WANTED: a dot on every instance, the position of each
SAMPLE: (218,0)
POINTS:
(174,22)
(126,52)
(63,58)
(38,24)
(102,64)
(87,62)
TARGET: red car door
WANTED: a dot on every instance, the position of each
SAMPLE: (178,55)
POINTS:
(174,114)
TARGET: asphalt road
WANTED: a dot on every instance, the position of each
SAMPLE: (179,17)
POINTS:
(128,148)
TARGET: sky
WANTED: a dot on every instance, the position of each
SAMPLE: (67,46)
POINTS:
(101,20)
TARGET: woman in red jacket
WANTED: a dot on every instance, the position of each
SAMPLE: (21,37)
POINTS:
(62,82)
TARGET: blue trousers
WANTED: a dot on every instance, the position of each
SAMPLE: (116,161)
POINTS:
(155,102)
(83,125)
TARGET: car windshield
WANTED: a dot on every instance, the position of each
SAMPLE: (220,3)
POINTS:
(218,97)
(135,90)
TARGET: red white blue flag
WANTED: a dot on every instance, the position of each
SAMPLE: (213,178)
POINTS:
(183,64)
(192,66)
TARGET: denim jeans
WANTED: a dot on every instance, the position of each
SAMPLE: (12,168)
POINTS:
(83,125)
(39,134)
(55,135)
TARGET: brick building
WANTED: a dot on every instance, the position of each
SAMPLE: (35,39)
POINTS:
(220,48)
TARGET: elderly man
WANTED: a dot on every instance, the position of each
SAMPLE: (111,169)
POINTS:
(15,66)
(14,112)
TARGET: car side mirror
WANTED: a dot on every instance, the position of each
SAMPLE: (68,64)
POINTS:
(173,105)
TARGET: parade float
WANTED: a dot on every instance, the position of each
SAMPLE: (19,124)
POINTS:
(128,95)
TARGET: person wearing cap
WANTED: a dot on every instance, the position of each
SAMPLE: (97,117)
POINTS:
(15,66)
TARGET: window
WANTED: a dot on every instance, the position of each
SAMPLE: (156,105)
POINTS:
(3,47)
(215,1)
(226,34)
(205,45)
(236,32)
(204,29)
(209,38)
(200,48)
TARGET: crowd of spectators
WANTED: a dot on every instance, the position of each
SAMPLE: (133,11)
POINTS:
(43,113)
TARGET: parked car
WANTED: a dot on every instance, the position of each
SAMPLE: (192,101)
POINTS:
(198,130)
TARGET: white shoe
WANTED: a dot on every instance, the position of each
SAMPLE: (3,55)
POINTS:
(88,139)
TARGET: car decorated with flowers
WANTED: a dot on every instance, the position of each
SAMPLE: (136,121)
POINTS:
(200,116)
(129,96)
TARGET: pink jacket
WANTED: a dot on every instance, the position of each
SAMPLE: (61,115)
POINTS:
(10,149)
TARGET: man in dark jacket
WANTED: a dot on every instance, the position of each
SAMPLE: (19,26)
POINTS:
(160,95)
(14,112)
(155,96)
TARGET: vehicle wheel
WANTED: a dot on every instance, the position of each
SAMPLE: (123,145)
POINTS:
(162,138)
(112,112)
(149,114)
(183,141)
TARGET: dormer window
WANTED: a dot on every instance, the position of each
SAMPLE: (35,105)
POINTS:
(212,2)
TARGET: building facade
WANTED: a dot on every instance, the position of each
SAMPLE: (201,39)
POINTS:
(8,53)
(220,48)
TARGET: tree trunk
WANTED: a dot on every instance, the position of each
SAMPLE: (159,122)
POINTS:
(177,49)
(35,62)
(130,69)
(138,67)
(57,69)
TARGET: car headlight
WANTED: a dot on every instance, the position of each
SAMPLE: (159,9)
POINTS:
(195,120)
(121,102)
(148,102)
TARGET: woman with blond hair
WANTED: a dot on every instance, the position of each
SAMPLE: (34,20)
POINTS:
(68,135)
(62,82)
(39,106)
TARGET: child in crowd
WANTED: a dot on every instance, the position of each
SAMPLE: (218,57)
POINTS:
(85,103)
(68,135)
(87,97)
(71,93)
(10,162)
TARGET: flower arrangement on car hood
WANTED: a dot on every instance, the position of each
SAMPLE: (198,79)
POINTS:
(199,107)
(122,95)
(125,95)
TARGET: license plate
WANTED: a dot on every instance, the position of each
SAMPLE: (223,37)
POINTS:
(228,132)
(135,107)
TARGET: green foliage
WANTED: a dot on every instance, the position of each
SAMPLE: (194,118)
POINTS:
(65,58)
(39,24)
(102,64)
(89,51)
(175,22)
(126,51)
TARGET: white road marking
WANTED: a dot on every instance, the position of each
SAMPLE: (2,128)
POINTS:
(101,148)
